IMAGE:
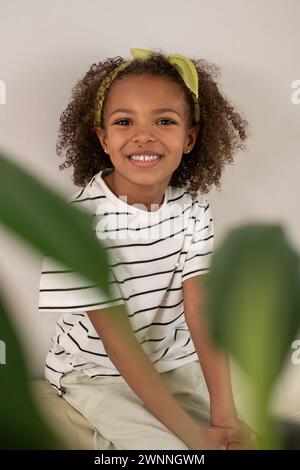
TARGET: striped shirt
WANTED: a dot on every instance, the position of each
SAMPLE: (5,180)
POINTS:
(150,254)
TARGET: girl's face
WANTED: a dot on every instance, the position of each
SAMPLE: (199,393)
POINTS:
(146,114)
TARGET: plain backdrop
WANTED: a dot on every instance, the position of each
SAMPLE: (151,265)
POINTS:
(45,47)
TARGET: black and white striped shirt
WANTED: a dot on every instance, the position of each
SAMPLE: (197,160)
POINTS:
(150,254)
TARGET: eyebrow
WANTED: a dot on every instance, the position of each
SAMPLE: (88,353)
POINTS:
(157,110)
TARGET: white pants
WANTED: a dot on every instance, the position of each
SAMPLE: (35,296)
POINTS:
(121,419)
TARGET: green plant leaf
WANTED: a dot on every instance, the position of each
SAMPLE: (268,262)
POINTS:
(51,225)
(253,302)
(42,219)
(22,426)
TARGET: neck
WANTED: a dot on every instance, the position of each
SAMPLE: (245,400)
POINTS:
(136,194)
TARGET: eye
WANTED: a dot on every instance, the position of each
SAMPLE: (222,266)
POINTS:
(167,120)
(121,120)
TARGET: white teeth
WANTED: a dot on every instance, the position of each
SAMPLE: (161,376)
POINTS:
(144,158)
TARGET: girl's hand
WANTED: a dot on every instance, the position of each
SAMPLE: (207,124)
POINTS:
(213,438)
(244,439)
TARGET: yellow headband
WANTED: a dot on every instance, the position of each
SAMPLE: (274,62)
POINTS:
(184,66)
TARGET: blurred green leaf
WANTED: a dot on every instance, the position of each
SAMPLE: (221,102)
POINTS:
(50,224)
(254,302)
(22,426)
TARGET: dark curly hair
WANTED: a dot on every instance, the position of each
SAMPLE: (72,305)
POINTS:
(222,132)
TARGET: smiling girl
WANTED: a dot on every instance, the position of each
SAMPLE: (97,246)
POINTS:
(147,138)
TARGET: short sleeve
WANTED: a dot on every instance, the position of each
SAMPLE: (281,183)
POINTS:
(199,254)
(63,290)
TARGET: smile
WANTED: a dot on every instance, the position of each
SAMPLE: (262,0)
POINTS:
(142,161)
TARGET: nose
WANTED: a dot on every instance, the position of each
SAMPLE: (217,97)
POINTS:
(143,133)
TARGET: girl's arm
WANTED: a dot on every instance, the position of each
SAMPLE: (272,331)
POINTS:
(216,369)
(132,362)
(214,363)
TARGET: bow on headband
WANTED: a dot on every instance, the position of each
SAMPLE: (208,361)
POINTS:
(184,66)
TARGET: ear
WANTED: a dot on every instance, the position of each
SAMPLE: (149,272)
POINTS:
(101,134)
(191,136)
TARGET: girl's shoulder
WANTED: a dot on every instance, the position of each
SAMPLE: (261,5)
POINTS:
(86,198)
(181,196)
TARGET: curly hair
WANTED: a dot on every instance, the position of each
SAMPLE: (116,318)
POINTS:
(223,130)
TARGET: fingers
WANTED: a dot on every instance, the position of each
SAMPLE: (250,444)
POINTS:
(233,438)
(243,444)
(243,436)
(237,434)
(242,439)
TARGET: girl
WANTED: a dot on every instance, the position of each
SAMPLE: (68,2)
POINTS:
(147,138)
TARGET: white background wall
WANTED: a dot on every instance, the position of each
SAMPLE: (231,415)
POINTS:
(46,46)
